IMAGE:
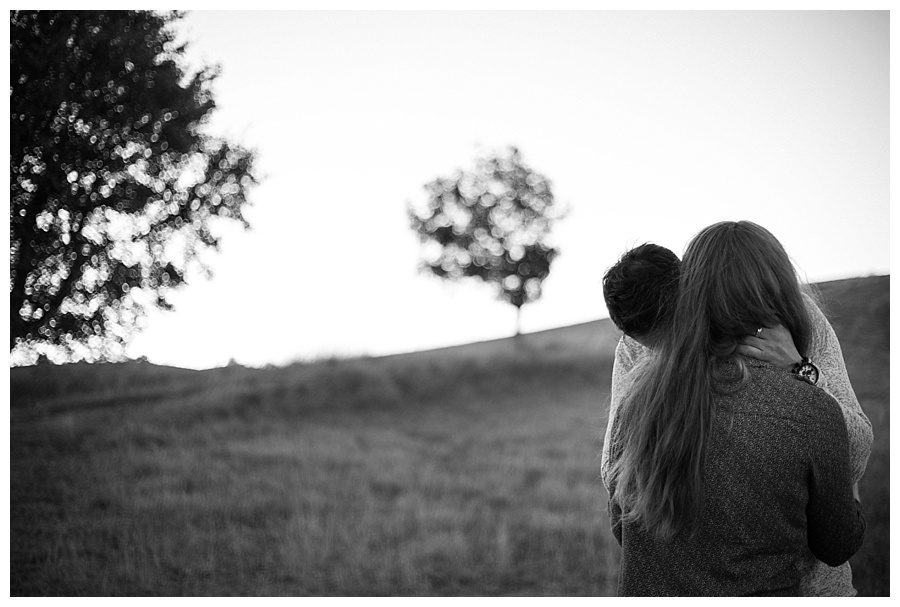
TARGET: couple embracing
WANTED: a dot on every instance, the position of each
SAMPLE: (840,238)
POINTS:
(735,441)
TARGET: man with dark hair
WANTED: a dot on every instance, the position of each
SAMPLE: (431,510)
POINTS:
(640,291)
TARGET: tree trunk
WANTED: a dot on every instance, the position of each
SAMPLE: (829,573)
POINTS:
(518,320)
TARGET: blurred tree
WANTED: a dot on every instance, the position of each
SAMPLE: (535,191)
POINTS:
(114,188)
(490,223)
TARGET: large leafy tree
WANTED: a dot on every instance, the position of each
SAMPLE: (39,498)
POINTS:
(115,187)
(492,224)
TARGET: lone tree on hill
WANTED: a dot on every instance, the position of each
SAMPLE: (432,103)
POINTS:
(114,186)
(491,224)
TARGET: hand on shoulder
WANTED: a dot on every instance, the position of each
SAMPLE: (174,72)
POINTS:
(773,345)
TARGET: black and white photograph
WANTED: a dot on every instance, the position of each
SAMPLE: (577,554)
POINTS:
(436,301)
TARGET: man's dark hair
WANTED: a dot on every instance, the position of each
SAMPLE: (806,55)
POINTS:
(641,288)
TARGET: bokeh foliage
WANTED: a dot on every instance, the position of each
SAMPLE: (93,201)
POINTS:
(492,224)
(115,188)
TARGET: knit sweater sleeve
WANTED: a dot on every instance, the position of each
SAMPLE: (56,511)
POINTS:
(826,353)
(613,452)
(835,523)
(628,354)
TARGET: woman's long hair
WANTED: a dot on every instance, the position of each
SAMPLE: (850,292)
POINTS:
(735,278)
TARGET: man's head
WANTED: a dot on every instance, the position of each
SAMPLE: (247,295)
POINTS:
(640,291)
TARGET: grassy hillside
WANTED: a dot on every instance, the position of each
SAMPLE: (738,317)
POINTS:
(859,310)
(462,471)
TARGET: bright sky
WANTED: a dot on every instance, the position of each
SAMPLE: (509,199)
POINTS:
(650,126)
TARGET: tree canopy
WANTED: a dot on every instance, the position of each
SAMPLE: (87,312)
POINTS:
(115,187)
(491,224)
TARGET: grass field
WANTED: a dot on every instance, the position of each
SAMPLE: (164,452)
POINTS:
(463,471)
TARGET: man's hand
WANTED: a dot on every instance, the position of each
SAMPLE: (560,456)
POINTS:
(773,345)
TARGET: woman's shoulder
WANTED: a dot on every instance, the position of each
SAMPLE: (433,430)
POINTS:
(780,393)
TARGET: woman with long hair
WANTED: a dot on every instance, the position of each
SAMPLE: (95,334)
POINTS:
(725,472)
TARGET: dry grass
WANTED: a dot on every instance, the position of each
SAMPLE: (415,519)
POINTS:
(471,471)
(372,477)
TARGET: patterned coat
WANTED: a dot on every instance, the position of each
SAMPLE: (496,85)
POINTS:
(818,579)
(777,485)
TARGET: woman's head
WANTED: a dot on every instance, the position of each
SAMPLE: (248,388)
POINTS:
(735,277)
